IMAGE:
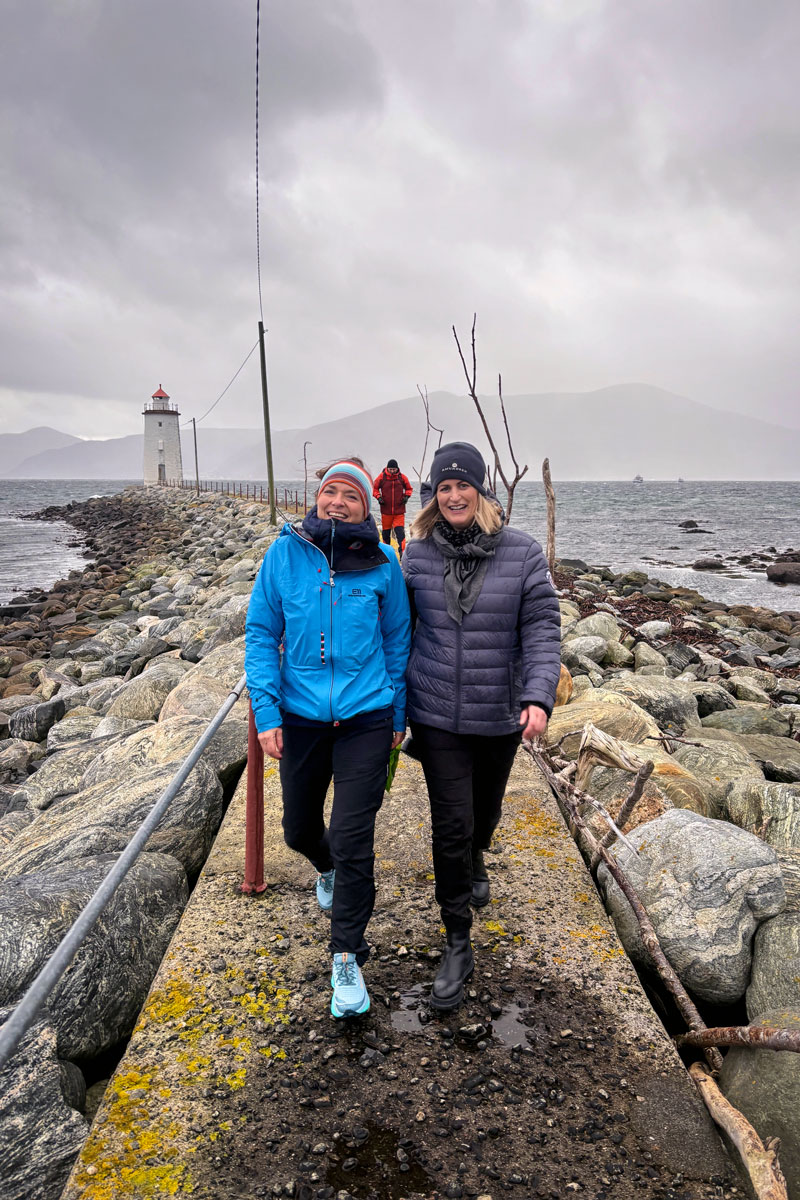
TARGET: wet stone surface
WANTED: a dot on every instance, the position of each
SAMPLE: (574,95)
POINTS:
(552,1079)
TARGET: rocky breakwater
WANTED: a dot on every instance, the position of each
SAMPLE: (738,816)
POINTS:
(106,682)
(711,695)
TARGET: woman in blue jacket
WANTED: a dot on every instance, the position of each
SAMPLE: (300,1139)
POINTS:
(484,667)
(328,634)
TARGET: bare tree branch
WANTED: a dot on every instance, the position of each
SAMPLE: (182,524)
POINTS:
(428,427)
(751,1036)
(760,1159)
(472,379)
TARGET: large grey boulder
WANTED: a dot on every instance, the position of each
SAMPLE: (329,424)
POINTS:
(96,1002)
(750,718)
(614,714)
(645,656)
(770,810)
(12,823)
(717,764)
(40,1133)
(778,757)
(672,705)
(71,731)
(103,818)
(598,624)
(765,1086)
(17,758)
(706,886)
(775,977)
(591,647)
(170,742)
(195,696)
(711,697)
(142,698)
(225,664)
(670,781)
(32,724)
(59,775)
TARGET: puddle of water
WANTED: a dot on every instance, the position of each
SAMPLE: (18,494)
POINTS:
(379,1163)
(510,1028)
(413,1014)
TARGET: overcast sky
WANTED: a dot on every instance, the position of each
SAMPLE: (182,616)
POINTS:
(614,187)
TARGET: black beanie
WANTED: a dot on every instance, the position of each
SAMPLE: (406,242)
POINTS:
(459,460)
(393,463)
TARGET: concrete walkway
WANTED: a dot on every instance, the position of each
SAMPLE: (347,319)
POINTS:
(555,1078)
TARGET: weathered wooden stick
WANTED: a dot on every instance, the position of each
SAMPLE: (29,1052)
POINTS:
(752,1036)
(598,747)
(649,936)
(625,813)
(760,1160)
(550,551)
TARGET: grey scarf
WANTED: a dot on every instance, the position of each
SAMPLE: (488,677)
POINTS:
(465,564)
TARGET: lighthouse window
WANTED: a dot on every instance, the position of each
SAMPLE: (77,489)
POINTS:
(159,424)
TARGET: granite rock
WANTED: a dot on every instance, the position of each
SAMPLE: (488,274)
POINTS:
(706,886)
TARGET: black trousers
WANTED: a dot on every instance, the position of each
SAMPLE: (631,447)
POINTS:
(466,777)
(356,758)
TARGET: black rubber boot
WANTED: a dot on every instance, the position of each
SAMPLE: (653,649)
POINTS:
(386,537)
(457,966)
(480,881)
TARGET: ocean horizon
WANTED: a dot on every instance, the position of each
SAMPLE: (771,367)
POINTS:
(622,524)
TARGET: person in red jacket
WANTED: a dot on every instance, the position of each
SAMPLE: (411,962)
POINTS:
(392,490)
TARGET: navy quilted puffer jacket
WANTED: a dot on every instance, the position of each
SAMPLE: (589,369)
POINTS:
(475,677)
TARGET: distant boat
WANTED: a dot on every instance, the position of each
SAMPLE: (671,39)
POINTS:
(681,480)
(638,479)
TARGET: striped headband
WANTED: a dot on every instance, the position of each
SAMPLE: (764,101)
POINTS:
(356,477)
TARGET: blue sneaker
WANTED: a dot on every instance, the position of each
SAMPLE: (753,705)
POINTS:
(325,889)
(350,996)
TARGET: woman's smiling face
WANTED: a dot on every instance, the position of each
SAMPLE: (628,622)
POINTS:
(340,502)
(458,502)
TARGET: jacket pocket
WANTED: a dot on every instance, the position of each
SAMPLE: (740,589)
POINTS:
(514,688)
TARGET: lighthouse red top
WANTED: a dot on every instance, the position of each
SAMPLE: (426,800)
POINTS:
(160,394)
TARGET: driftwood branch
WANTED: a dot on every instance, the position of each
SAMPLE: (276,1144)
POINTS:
(753,1037)
(760,1159)
(550,551)
(649,936)
(472,381)
(626,812)
(428,427)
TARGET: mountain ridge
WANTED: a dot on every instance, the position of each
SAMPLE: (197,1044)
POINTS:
(613,432)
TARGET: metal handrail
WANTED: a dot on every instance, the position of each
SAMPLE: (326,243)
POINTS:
(28,1007)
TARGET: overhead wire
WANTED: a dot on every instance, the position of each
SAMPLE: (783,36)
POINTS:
(258,214)
(224,390)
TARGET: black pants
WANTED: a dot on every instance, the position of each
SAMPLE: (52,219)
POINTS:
(356,758)
(466,777)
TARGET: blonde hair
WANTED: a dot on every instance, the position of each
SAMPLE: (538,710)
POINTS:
(488,517)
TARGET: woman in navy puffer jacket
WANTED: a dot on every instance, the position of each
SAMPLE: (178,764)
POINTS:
(484,667)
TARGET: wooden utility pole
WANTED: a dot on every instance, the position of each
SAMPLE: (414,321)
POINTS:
(196,467)
(305,477)
(267,429)
(550,552)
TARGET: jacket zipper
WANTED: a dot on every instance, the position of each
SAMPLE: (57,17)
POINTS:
(458,678)
(332,575)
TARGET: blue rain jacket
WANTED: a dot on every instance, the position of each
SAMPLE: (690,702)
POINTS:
(326,644)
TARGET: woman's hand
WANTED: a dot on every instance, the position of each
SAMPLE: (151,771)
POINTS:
(272,742)
(533,721)
(399,734)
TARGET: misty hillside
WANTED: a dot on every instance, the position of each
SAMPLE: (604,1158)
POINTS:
(612,433)
(16,447)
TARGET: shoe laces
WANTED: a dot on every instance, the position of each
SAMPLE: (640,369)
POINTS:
(346,971)
(326,881)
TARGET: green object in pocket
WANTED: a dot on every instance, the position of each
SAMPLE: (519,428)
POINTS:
(394,758)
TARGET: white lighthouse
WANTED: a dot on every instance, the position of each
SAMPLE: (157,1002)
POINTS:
(162,440)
